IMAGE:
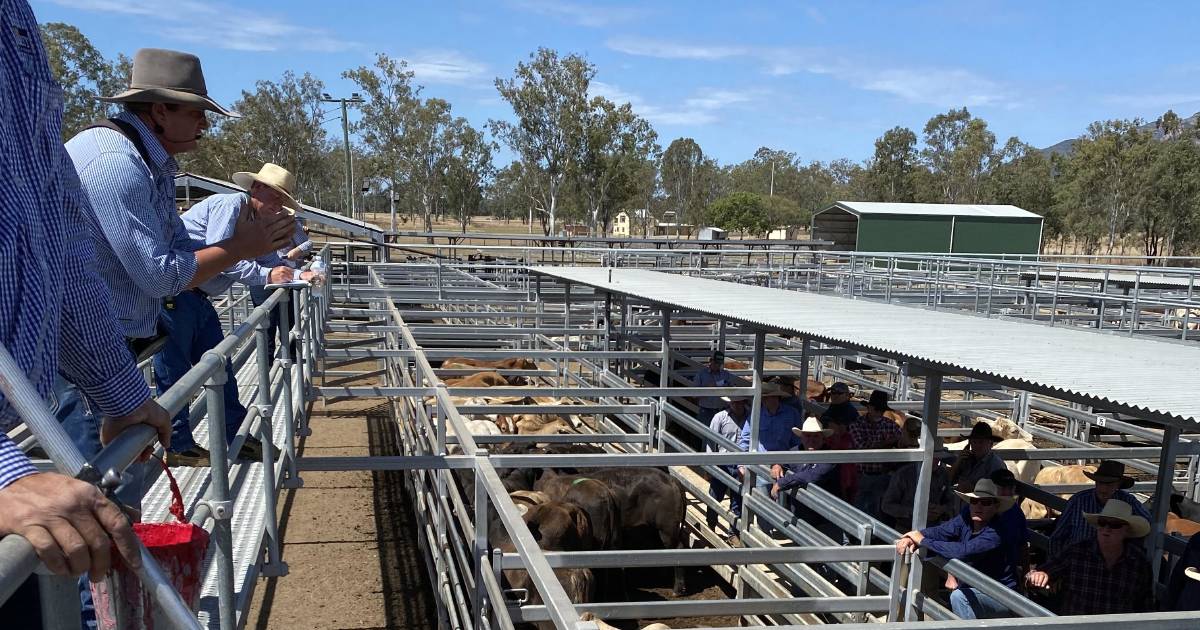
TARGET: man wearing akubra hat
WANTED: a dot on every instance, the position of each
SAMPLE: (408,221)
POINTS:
(972,538)
(774,429)
(189,318)
(874,431)
(126,166)
(977,460)
(812,437)
(1111,483)
(1105,574)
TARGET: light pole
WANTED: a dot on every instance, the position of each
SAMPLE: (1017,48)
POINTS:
(354,98)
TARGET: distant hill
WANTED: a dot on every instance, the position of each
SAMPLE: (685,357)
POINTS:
(1065,146)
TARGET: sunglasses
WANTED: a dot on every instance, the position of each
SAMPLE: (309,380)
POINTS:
(983,502)
(1110,523)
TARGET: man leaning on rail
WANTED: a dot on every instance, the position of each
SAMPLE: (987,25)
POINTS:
(127,167)
(973,538)
(192,324)
(55,315)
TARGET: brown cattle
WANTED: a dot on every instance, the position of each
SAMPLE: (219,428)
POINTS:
(513,363)
(537,424)
(1181,526)
(556,526)
(484,379)
(816,391)
(595,497)
(730,364)
(651,505)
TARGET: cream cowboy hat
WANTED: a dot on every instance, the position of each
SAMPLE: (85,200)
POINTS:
(168,76)
(986,489)
(277,178)
(812,426)
(1120,510)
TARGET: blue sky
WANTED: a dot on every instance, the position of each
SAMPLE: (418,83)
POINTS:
(820,79)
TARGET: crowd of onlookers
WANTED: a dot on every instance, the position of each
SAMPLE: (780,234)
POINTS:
(1096,562)
(99,272)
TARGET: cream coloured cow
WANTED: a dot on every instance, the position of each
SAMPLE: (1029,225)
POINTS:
(1025,470)
(1055,476)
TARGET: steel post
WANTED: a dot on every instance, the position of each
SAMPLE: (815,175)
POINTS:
(219,502)
(275,566)
(292,479)
(1161,502)
(933,398)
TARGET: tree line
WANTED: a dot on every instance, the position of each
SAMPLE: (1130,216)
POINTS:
(582,159)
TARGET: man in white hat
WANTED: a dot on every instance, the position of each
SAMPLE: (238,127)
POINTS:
(972,538)
(189,318)
(727,424)
(812,438)
(1104,575)
(127,168)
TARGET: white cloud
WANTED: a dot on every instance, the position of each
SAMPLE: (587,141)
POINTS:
(671,50)
(695,111)
(218,25)
(446,66)
(815,14)
(944,87)
(594,16)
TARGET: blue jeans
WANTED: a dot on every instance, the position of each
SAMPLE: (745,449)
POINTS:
(718,490)
(969,603)
(258,295)
(870,493)
(194,329)
(83,427)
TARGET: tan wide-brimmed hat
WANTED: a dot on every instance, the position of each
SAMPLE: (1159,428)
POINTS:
(986,489)
(811,426)
(1120,510)
(1192,572)
(276,177)
(168,76)
(773,389)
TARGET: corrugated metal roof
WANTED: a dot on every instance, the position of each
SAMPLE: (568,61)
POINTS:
(1138,376)
(934,209)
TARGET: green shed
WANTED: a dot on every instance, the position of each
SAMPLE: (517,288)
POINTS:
(945,228)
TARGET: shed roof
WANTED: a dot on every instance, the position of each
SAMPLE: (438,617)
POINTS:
(859,208)
(1154,379)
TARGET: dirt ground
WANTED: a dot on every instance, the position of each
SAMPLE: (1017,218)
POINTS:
(349,537)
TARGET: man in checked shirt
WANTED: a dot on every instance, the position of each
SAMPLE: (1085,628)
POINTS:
(55,315)
(127,167)
(874,431)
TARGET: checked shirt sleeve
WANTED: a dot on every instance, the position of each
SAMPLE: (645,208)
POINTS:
(13,463)
(222,222)
(92,351)
(122,200)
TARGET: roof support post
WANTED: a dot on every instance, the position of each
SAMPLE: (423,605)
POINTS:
(760,342)
(933,400)
(664,376)
(1163,488)
(805,347)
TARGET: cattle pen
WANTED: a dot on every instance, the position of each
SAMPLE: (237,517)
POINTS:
(613,340)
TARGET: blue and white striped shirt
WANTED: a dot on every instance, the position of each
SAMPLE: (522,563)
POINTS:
(55,312)
(142,248)
(213,220)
